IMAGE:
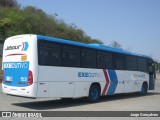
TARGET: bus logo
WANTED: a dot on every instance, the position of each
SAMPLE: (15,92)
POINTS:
(24,46)
(13,47)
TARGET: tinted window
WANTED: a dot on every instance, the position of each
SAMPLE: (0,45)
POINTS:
(104,60)
(88,58)
(119,61)
(71,56)
(131,63)
(142,64)
(49,53)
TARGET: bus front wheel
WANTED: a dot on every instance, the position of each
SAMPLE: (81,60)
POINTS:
(144,89)
(94,93)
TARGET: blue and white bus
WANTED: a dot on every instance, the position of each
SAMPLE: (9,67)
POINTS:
(38,66)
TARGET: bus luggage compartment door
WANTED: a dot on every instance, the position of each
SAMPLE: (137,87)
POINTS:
(42,89)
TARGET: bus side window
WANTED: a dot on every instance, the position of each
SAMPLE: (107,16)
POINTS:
(142,64)
(131,63)
(53,58)
(71,56)
(88,58)
(44,53)
(49,53)
(104,60)
(119,62)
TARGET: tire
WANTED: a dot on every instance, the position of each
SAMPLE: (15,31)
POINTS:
(94,94)
(144,89)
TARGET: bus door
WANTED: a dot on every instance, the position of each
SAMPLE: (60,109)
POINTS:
(151,70)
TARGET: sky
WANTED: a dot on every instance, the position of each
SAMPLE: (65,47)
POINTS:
(135,24)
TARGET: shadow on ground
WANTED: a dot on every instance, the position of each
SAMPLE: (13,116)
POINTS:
(57,104)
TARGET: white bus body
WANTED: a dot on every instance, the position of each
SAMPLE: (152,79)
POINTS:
(23,76)
(19,57)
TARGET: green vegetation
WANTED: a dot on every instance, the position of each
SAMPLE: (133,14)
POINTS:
(115,44)
(31,20)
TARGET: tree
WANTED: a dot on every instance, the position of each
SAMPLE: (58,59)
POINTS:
(158,67)
(5,24)
(115,44)
(128,49)
(31,20)
(9,3)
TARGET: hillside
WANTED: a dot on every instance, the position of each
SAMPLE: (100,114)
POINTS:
(31,20)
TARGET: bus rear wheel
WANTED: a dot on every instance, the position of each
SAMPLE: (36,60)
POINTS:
(94,93)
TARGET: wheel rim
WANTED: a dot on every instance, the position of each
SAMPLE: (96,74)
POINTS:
(143,90)
(94,94)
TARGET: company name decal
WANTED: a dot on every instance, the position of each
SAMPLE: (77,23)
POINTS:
(16,73)
(23,47)
(15,65)
(13,47)
(89,74)
(140,75)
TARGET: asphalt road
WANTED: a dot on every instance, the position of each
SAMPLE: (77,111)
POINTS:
(122,102)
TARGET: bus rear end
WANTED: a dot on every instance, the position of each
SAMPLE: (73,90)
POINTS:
(19,66)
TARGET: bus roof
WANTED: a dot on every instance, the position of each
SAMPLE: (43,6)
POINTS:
(94,46)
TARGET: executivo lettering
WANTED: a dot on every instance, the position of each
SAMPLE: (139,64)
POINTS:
(20,65)
(89,74)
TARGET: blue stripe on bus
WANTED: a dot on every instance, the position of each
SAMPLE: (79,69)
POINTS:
(114,82)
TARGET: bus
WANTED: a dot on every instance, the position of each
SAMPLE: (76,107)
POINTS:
(39,66)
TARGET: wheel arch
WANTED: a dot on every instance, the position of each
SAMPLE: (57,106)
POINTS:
(145,82)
